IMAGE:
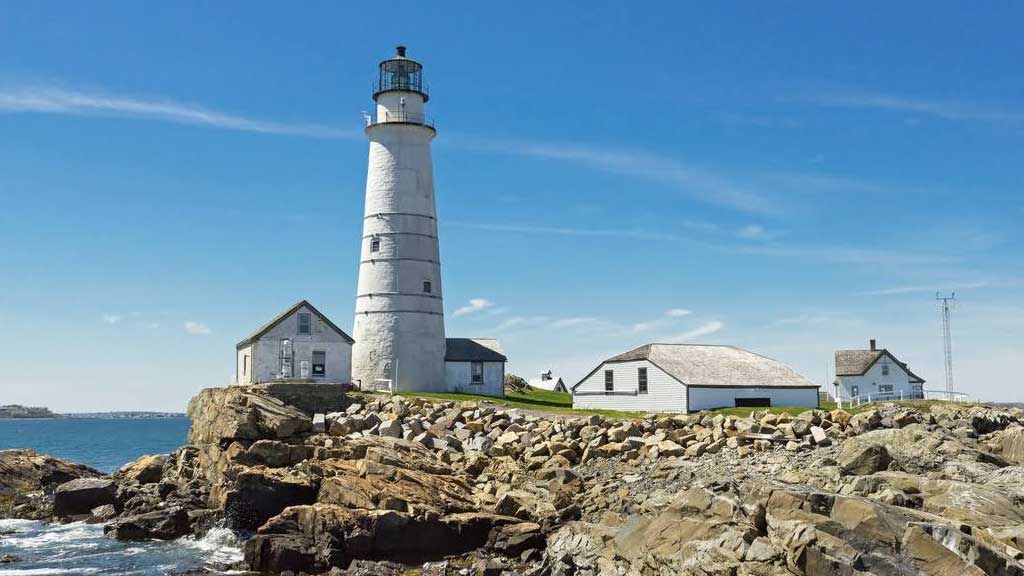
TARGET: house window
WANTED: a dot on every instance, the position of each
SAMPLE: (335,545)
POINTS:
(854,391)
(753,402)
(375,245)
(245,365)
(476,373)
(885,388)
(426,287)
(641,379)
(305,323)
(609,381)
(319,363)
(885,369)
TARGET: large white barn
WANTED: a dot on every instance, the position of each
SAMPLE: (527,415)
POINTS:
(690,378)
(875,373)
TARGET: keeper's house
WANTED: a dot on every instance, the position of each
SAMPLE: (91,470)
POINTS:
(690,378)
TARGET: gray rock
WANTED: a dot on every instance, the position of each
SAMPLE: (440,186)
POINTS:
(82,495)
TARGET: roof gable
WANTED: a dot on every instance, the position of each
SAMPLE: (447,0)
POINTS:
(858,362)
(712,365)
(285,315)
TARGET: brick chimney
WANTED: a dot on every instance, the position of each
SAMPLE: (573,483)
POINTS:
(873,344)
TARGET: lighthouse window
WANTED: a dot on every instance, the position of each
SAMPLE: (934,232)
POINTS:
(426,287)
(305,323)
(375,245)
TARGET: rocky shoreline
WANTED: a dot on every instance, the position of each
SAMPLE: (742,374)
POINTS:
(384,484)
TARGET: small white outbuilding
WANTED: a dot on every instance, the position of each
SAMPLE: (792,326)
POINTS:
(475,366)
(548,380)
(690,378)
(298,343)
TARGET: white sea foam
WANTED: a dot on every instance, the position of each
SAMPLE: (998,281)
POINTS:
(15,524)
(46,571)
(220,545)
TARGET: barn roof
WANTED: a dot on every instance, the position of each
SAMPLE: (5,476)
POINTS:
(857,363)
(281,317)
(473,350)
(715,365)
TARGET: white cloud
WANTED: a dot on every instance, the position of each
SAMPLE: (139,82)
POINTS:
(475,305)
(702,330)
(947,109)
(58,100)
(193,327)
(112,318)
(922,288)
(751,232)
(678,312)
(570,322)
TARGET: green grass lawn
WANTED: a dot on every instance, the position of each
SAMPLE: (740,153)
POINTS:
(539,400)
(561,403)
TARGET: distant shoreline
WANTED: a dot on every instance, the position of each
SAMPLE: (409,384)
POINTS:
(18,412)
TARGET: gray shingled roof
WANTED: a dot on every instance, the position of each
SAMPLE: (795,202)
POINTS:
(473,350)
(281,317)
(715,365)
(857,362)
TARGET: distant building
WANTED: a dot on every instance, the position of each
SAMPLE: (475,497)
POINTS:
(548,381)
(877,373)
(475,366)
(690,378)
(299,343)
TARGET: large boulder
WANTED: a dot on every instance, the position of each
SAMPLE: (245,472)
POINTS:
(261,493)
(80,496)
(166,524)
(220,415)
(145,470)
(1012,444)
(28,478)
(315,538)
(863,458)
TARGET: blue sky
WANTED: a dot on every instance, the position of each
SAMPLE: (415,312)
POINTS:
(789,178)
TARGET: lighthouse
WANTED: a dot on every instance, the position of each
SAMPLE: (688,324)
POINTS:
(399,319)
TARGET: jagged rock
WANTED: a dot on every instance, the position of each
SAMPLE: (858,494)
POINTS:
(82,495)
(242,413)
(863,458)
(314,538)
(145,470)
(258,494)
(273,453)
(168,524)
(27,479)
(1012,444)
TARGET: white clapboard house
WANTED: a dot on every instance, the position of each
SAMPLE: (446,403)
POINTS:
(299,343)
(690,378)
(875,374)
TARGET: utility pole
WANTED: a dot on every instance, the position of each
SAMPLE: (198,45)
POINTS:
(946,303)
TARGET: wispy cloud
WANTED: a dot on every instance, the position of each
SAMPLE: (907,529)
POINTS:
(839,254)
(58,100)
(705,329)
(197,328)
(751,232)
(571,322)
(944,108)
(475,305)
(923,288)
(112,318)
(678,312)
(693,180)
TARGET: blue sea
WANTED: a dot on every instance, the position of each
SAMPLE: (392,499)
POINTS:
(79,548)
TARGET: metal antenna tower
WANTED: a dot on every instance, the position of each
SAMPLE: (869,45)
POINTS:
(945,304)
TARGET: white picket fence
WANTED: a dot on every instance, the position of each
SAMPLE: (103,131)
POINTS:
(899,396)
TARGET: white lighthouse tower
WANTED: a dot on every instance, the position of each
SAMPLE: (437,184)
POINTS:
(399,321)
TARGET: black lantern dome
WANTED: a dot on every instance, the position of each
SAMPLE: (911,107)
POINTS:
(400,74)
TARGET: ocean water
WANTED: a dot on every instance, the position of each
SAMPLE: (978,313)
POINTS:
(106,444)
(79,548)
